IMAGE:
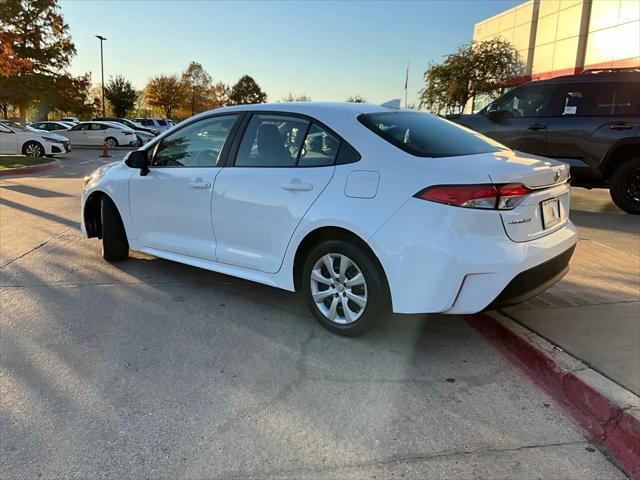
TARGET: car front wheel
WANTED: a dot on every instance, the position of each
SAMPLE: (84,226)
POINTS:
(344,288)
(33,149)
(115,245)
(625,186)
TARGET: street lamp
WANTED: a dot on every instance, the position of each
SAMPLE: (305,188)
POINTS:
(102,39)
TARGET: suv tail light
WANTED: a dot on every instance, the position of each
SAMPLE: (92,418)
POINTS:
(493,197)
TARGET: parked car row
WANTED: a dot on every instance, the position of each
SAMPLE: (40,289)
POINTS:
(54,137)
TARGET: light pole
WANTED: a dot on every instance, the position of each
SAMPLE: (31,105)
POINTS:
(102,39)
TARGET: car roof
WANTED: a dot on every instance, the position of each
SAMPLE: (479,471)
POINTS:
(319,110)
(595,76)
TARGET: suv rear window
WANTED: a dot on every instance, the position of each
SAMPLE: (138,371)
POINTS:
(426,135)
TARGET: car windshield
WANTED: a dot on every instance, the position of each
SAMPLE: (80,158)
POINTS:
(426,135)
(16,126)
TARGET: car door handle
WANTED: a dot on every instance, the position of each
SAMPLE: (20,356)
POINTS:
(620,126)
(537,126)
(298,187)
(200,185)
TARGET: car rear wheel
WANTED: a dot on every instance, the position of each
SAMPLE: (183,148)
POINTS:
(111,142)
(114,239)
(625,186)
(344,288)
(33,149)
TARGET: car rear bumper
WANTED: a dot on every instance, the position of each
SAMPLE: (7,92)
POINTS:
(442,259)
(534,281)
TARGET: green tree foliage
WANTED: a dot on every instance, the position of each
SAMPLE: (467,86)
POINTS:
(197,85)
(357,99)
(121,95)
(480,67)
(165,92)
(40,39)
(246,91)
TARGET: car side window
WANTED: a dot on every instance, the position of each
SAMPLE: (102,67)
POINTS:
(595,99)
(272,141)
(320,148)
(80,127)
(98,126)
(147,123)
(528,101)
(196,145)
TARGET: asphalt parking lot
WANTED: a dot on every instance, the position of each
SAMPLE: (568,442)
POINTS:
(148,368)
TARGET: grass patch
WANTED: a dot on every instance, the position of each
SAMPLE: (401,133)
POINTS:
(17,161)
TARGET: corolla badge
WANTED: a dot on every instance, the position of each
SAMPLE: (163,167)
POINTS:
(518,221)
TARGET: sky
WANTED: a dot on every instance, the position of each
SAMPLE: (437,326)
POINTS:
(328,50)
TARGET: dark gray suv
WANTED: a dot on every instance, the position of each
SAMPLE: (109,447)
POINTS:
(590,120)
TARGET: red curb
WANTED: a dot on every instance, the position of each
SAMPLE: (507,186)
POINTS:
(30,169)
(600,418)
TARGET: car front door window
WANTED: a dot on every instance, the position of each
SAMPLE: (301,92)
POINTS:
(196,145)
(529,101)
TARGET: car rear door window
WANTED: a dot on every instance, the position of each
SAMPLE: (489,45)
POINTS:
(272,141)
(596,99)
(320,148)
(199,144)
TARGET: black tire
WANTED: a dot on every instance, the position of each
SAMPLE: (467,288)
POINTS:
(33,149)
(111,142)
(114,239)
(625,186)
(376,291)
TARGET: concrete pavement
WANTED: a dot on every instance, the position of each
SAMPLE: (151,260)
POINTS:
(148,368)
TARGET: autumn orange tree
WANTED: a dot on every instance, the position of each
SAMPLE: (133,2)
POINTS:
(36,49)
(167,92)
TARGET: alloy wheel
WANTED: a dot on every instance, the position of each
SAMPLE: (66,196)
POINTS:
(339,288)
(33,150)
(632,190)
(111,143)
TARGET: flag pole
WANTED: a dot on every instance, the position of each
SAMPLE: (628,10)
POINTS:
(406,84)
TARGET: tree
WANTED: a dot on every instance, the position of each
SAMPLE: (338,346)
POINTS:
(197,83)
(246,91)
(121,95)
(38,35)
(480,67)
(290,97)
(219,95)
(10,62)
(165,92)
(357,99)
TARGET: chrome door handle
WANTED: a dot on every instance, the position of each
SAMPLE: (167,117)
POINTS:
(298,187)
(200,185)
(620,126)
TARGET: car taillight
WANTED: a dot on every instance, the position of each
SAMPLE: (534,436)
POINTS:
(128,133)
(500,197)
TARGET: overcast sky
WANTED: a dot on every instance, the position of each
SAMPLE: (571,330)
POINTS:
(328,50)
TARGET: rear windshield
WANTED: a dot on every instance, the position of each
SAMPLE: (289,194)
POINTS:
(426,135)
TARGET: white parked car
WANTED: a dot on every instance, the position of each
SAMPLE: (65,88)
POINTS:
(73,120)
(365,209)
(16,139)
(98,133)
(158,124)
(50,126)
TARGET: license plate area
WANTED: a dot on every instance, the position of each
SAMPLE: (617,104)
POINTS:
(550,210)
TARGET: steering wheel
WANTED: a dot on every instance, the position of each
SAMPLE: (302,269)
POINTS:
(206,157)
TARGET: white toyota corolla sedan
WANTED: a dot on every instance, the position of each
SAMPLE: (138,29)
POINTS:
(364,209)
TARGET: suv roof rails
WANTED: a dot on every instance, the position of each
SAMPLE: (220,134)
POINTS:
(595,71)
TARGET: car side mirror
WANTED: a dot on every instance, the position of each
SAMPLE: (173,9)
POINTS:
(494,113)
(138,159)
